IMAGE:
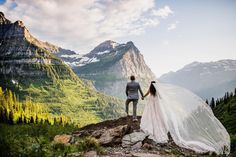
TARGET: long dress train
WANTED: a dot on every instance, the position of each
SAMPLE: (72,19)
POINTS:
(188,119)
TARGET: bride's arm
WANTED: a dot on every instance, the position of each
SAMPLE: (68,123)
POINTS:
(146,94)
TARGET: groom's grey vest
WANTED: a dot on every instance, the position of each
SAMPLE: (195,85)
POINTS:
(132,89)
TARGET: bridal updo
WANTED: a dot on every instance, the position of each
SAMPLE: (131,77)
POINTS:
(152,89)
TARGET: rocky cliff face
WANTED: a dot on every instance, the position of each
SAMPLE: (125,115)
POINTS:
(210,79)
(109,66)
(23,57)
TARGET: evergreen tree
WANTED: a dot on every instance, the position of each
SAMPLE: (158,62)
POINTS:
(221,100)
(217,102)
(10,100)
(13,111)
(225,99)
(1,92)
(231,95)
(228,108)
(212,104)
(207,101)
(227,95)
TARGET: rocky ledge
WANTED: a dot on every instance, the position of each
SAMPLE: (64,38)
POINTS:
(122,137)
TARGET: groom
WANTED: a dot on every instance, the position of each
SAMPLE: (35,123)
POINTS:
(131,91)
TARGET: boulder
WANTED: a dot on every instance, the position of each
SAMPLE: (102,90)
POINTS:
(148,146)
(147,155)
(76,154)
(137,145)
(64,138)
(91,154)
(98,133)
(112,136)
(133,138)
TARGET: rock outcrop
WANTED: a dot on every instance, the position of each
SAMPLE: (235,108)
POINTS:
(133,140)
(123,137)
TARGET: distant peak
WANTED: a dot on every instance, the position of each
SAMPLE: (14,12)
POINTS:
(1,14)
(109,43)
(3,20)
(19,23)
(130,43)
(193,64)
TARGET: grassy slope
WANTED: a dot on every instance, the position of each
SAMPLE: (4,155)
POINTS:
(36,140)
(57,86)
(228,119)
(74,99)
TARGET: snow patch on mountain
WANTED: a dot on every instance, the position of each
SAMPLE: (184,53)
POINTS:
(103,52)
(94,59)
(77,56)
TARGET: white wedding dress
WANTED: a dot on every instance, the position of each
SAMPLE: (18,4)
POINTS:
(188,119)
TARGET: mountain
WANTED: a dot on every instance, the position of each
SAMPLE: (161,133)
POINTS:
(23,57)
(210,79)
(109,66)
(30,68)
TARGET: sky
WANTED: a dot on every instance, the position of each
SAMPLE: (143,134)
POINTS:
(169,33)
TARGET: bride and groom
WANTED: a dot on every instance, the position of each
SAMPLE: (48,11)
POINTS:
(189,120)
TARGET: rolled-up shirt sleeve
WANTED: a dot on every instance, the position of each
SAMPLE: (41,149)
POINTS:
(140,90)
(126,90)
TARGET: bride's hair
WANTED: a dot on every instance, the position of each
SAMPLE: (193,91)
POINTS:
(152,89)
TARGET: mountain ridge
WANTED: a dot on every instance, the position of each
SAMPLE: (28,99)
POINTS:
(206,79)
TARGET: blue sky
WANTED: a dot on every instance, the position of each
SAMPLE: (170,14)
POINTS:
(206,31)
(169,33)
(2,1)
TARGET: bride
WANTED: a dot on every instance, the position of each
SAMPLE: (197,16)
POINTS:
(189,120)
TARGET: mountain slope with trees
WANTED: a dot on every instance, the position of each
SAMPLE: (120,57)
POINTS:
(225,110)
(30,68)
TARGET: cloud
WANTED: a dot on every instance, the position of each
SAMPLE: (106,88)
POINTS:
(172,26)
(163,12)
(81,24)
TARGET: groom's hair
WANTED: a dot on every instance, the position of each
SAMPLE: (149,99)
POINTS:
(132,77)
